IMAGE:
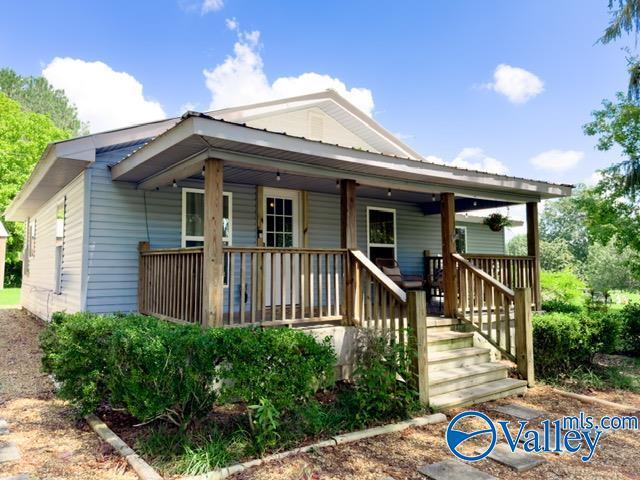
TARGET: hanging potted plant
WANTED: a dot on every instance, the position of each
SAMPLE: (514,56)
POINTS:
(497,221)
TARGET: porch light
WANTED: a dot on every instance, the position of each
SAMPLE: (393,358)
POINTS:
(389,193)
(278,176)
(174,184)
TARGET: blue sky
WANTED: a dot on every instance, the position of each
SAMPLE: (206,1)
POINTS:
(425,65)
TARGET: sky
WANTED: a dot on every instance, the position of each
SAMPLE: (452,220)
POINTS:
(498,85)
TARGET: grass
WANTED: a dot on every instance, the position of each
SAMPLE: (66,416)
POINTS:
(625,376)
(9,296)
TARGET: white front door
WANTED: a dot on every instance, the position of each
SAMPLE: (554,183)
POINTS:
(281,230)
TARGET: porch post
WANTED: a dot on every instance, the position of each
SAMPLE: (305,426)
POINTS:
(213,260)
(349,240)
(533,250)
(448,225)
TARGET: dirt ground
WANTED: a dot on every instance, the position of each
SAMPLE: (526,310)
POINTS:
(399,455)
(53,444)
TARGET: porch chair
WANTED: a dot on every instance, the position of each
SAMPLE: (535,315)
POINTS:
(391,269)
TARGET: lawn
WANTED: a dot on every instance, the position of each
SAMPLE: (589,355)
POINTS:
(9,296)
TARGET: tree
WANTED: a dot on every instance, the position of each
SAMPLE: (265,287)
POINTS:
(618,124)
(563,219)
(555,255)
(36,94)
(607,268)
(23,137)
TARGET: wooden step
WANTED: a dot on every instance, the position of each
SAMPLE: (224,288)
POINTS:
(448,340)
(459,357)
(443,324)
(481,393)
(452,379)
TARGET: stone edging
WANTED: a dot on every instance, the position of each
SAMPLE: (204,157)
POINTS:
(225,472)
(599,401)
(142,468)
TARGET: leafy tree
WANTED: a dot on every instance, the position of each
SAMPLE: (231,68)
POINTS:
(23,137)
(617,124)
(555,255)
(563,219)
(36,94)
(607,268)
(625,18)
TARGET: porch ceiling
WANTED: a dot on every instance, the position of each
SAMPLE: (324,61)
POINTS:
(180,152)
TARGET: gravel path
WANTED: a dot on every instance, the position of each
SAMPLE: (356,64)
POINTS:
(52,443)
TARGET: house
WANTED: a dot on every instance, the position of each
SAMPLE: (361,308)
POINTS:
(274,213)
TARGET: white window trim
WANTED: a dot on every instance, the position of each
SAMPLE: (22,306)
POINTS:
(192,238)
(383,245)
(466,238)
(59,246)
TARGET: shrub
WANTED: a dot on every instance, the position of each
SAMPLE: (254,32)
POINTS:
(558,306)
(563,342)
(384,384)
(284,366)
(630,315)
(156,369)
(562,286)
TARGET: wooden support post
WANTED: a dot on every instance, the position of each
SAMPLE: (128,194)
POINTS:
(448,225)
(417,323)
(533,250)
(213,270)
(524,334)
(349,240)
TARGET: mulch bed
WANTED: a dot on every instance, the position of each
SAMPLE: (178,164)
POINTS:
(53,443)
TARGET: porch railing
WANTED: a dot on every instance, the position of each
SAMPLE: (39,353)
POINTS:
(512,271)
(262,285)
(379,303)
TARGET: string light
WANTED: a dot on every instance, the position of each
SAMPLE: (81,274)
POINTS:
(389,193)
(278,176)
(203,170)
(475,203)
(337,184)
(174,184)
(433,197)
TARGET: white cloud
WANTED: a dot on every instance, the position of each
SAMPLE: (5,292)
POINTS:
(211,6)
(105,98)
(557,160)
(232,23)
(517,84)
(241,79)
(474,158)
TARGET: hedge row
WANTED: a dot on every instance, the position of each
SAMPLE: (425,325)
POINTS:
(156,369)
(567,337)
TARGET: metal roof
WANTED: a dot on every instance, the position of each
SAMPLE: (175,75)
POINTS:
(192,114)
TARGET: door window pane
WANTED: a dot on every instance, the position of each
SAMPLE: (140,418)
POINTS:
(279,213)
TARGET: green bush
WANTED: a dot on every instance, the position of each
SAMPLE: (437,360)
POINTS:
(385,386)
(562,286)
(563,342)
(156,369)
(630,315)
(559,306)
(284,366)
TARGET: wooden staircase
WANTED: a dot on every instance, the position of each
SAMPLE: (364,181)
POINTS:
(460,373)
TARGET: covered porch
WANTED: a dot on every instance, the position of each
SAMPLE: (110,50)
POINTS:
(288,277)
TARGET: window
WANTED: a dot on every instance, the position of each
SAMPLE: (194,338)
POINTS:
(193,218)
(31,240)
(193,221)
(60,226)
(381,233)
(461,239)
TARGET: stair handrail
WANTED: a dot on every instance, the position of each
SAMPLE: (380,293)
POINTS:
(484,275)
(379,275)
